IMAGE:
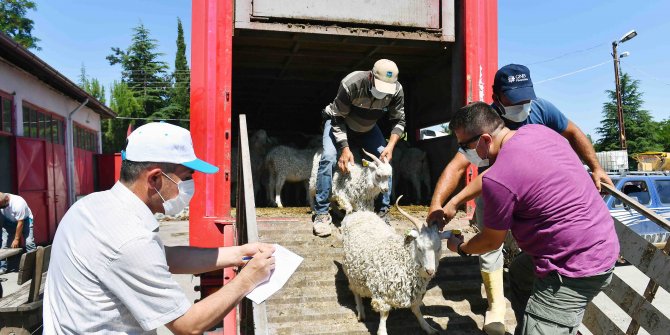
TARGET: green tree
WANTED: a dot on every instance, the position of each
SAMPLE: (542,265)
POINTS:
(91,86)
(15,24)
(143,72)
(664,134)
(125,104)
(642,133)
(178,105)
(182,79)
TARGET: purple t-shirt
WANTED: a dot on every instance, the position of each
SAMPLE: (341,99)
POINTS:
(539,189)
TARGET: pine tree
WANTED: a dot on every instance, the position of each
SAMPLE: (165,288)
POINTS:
(178,106)
(143,72)
(642,133)
(91,86)
(15,24)
(182,77)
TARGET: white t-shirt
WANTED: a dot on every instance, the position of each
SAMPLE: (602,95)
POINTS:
(108,272)
(17,209)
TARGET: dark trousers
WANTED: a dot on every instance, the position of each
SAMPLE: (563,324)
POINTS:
(554,304)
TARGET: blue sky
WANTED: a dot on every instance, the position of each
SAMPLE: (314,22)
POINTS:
(530,32)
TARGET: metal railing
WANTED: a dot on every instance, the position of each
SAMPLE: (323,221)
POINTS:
(252,317)
(651,261)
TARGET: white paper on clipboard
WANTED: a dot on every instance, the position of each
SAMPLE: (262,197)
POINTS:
(286,262)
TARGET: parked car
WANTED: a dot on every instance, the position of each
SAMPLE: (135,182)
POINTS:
(649,189)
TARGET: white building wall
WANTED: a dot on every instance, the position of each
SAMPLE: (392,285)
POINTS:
(28,88)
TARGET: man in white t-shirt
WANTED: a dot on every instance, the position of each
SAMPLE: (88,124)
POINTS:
(110,272)
(17,225)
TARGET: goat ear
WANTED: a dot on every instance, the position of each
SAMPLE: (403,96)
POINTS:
(368,163)
(410,235)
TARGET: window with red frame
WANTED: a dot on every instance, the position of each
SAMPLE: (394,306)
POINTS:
(43,125)
(5,114)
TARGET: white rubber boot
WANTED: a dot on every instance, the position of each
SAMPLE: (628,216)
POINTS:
(494,320)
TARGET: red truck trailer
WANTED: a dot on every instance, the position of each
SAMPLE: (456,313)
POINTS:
(280,62)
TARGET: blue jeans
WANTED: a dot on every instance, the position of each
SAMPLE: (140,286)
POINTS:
(9,232)
(373,142)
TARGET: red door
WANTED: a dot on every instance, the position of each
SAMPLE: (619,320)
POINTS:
(41,176)
(59,182)
(33,184)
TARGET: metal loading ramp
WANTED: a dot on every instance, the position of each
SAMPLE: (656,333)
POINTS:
(317,299)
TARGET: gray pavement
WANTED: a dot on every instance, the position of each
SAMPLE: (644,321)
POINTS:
(175,233)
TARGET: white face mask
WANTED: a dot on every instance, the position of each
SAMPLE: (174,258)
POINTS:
(517,113)
(473,157)
(377,94)
(176,205)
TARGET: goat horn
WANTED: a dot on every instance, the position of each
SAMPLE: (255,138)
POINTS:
(374,158)
(418,223)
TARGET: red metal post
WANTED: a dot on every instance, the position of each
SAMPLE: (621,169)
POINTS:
(480,19)
(211,73)
(211,59)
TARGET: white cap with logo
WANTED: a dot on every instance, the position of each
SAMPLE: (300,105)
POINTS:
(386,76)
(162,142)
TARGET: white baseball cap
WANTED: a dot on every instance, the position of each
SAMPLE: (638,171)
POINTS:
(386,75)
(162,142)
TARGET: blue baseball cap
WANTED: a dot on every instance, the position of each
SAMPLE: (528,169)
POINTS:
(514,82)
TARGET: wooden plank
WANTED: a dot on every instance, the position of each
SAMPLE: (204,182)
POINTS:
(47,258)
(598,322)
(26,267)
(641,310)
(653,261)
(9,252)
(36,283)
(20,296)
(635,249)
(248,210)
(12,302)
(249,201)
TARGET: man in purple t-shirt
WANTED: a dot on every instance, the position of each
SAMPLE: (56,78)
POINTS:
(538,189)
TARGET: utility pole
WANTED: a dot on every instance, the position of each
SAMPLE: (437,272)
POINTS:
(617,81)
(619,107)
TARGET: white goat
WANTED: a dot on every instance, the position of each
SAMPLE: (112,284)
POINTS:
(391,269)
(356,190)
(284,164)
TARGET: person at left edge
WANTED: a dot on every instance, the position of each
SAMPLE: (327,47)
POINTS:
(109,270)
(16,220)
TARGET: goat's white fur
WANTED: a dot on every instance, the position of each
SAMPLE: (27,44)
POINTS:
(393,270)
(356,190)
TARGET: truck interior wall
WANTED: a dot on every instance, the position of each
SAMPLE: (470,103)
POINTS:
(282,81)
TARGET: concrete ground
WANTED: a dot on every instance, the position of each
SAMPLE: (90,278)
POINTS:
(175,233)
